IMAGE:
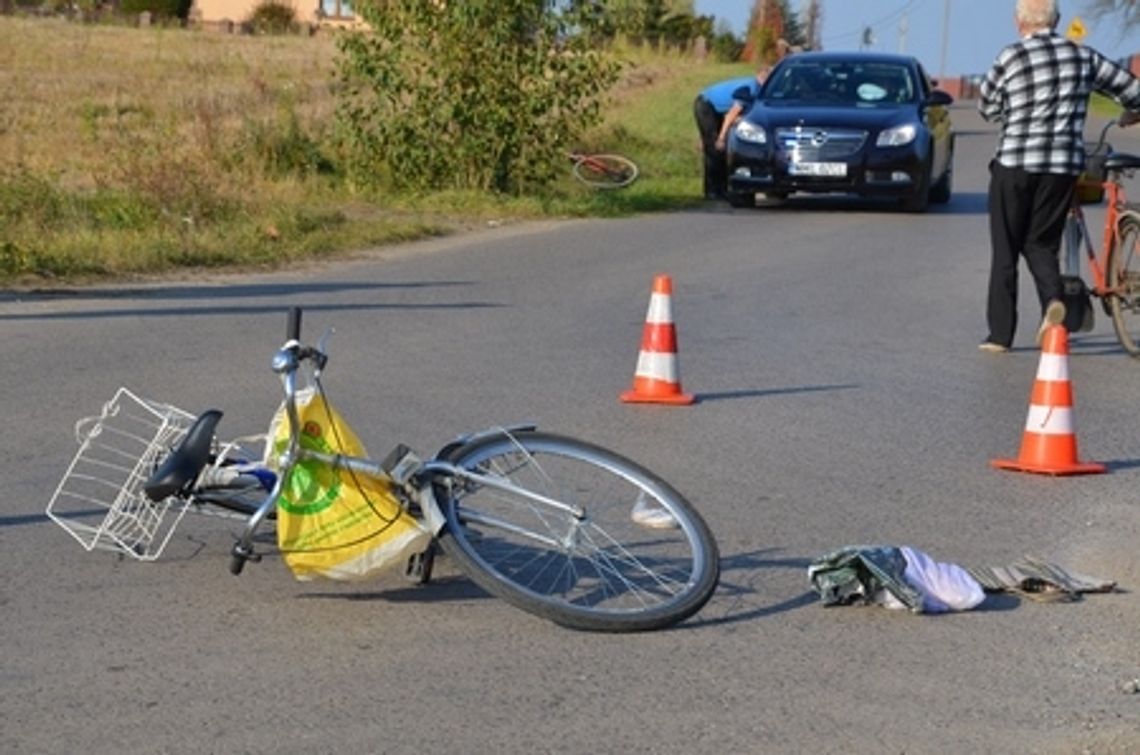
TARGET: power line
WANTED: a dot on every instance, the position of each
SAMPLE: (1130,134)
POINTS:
(858,33)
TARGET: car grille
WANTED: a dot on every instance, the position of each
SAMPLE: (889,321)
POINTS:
(820,144)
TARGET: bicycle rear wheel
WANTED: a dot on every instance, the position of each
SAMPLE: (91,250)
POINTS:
(595,568)
(605,171)
(1124,280)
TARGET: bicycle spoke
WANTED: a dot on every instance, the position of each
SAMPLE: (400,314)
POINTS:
(556,530)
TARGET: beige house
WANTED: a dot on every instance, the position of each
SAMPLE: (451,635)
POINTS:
(231,13)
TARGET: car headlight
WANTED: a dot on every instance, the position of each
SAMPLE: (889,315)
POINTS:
(750,132)
(897,136)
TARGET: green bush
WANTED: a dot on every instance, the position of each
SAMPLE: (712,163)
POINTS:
(484,96)
(726,47)
(158,8)
(271,17)
(283,147)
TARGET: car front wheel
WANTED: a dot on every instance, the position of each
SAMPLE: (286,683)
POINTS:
(940,192)
(920,198)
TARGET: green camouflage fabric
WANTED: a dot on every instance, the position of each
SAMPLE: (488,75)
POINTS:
(854,574)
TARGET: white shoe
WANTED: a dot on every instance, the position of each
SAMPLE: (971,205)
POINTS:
(652,516)
(992,348)
(1054,315)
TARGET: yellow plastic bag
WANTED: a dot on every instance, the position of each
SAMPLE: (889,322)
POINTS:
(332,522)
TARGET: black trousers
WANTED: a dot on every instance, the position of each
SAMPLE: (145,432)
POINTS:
(708,124)
(1027,218)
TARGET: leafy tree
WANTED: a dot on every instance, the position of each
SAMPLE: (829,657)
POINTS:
(669,22)
(769,21)
(447,94)
(1128,10)
(725,45)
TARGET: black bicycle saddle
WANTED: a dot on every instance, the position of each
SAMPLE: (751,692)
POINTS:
(186,461)
(1121,161)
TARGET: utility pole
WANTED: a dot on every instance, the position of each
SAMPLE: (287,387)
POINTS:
(945,37)
(812,25)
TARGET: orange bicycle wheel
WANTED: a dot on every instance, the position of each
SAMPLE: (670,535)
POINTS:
(1124,280)
(605,171)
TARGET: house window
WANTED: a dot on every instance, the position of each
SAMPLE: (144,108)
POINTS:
(337,9)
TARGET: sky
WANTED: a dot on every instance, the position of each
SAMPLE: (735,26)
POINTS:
(977,30)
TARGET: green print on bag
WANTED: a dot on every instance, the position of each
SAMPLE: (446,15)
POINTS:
(313,485)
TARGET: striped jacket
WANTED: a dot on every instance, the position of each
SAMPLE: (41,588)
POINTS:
(1038,89)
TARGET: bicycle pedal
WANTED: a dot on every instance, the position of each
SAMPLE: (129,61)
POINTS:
(419,565)
(401,464)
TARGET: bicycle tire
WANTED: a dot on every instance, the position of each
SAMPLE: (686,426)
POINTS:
(1123,264)
(600,571)
(605,171)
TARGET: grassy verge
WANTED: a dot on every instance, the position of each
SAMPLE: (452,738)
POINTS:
(142,151)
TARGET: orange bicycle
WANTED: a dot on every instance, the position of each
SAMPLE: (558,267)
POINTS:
(603,171)
(1116,268)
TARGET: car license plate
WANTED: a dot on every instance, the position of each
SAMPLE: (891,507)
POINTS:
(818,169)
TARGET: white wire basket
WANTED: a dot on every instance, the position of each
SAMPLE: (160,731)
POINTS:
(100,500)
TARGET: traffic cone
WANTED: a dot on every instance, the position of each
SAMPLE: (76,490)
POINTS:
(656,379)
(1049,444)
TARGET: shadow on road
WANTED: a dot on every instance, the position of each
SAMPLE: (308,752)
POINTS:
(222,291)
(25,519)
(726,395)
(961,203)
(210,295)
(735,591)
(439,590)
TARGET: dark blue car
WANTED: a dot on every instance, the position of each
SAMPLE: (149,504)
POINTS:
(850,122)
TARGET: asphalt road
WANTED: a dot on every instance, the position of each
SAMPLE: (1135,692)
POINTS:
(832,345)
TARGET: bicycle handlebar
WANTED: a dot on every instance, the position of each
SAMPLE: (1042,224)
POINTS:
(286,363)
(293,327)
(293,346)
(1104,133)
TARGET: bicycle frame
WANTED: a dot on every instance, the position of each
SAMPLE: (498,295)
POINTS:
(1116,207)
(603,171)
(414,478)
(557,526)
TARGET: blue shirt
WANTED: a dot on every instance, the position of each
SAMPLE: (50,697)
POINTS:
(719,95)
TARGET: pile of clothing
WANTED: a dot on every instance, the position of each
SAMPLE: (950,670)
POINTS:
(902,577)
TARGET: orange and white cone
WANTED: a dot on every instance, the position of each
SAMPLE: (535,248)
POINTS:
(656,379)
(1049,444)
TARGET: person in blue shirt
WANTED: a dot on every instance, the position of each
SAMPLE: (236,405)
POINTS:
(710,108)
(716,108)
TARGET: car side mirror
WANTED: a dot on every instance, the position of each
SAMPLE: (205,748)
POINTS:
(938,97)
(743,93)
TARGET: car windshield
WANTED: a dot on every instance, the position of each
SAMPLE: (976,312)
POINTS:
(830,83)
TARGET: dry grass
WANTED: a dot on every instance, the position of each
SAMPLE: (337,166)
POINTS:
(134,150)
(71,95)
(127,150)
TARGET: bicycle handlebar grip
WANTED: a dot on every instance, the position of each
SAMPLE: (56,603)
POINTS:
(237,563)
(294,327)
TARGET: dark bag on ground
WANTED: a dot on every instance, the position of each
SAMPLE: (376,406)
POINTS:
(1078,304)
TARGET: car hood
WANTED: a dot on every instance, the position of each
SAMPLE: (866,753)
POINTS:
(790,115)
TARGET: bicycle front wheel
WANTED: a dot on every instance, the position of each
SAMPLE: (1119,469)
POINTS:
(1124,281)
(605,171)
(576,534)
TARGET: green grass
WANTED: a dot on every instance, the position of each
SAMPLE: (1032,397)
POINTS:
(141,151)
(1104,107)
(130,151)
